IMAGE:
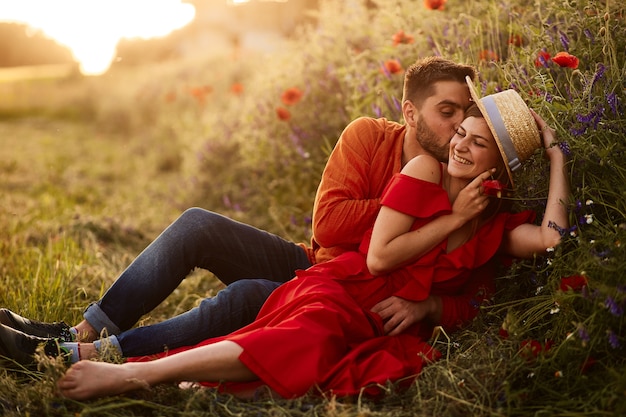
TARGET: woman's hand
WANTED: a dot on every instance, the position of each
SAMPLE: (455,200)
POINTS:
(471,200)
(547,133)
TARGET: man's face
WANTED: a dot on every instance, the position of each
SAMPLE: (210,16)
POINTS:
(439,117)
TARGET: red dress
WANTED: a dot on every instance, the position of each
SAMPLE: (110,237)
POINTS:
(316,332)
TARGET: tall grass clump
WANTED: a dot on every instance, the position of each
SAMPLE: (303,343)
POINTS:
(249,135)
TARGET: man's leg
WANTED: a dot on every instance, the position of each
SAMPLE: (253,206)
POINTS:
(231,309)
(198,238)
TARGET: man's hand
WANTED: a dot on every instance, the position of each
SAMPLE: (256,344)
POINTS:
(399,314)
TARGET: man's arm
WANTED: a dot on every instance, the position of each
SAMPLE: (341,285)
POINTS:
(448,311)
(346,202)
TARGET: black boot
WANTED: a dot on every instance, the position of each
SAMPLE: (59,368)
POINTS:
(57,330)
(21,347)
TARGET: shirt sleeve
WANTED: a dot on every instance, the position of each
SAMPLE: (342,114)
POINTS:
(343,209)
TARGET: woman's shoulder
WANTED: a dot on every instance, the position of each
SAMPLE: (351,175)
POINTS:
(424,167)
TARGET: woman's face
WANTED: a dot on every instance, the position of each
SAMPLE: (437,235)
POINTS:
(473,149)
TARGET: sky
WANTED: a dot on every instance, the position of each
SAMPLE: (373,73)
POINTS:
(91,29)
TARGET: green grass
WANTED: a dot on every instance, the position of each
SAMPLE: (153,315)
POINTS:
(91,170)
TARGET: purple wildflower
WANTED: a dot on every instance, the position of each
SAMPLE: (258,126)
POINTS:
(599,73)
(385,71)
(297,143)
(578,132)
(578,205)
(613,339)
(589,35)
(378,112)
(564,41)
(564,146)
(591,119)
(615,309)
(543,60)
(613,101)
(583,334)
(388,102)
(524,71)
(397,104)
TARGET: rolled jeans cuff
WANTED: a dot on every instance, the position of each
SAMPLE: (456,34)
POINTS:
(109,342)
(98,319)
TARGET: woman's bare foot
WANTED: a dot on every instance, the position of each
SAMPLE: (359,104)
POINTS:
(87,379)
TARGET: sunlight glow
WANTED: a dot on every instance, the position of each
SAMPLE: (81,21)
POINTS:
(91,29)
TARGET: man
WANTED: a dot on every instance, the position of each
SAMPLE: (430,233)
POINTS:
(251,262)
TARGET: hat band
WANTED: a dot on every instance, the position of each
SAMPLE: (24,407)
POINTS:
(503,134)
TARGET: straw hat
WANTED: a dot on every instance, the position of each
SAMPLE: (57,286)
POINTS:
(512,125)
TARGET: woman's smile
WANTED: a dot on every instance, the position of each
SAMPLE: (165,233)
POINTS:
(460,159)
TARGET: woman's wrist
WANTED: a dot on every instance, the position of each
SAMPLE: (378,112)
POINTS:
(555,154)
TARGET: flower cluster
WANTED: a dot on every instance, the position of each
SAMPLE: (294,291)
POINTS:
(289,97)
(402,38)
(391,66)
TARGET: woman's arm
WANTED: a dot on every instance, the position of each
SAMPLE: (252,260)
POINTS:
(527,240)
(394,244)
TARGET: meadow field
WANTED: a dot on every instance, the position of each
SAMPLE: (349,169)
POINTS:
(93,168)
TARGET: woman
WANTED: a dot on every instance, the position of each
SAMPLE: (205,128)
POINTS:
(435,225)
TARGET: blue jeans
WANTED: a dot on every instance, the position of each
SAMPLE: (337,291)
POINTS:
(251,262)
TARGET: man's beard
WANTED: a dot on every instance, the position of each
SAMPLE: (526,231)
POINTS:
(430,141)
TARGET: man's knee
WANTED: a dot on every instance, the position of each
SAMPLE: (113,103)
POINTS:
(254,291)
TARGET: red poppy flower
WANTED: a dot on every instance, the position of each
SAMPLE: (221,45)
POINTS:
(565,59)
(488,55)
(574,282)
(392,66)
(493,187)
(516,40)
(434,4)
(587,364)
(543,57)
(291,96)
(200,93)
(531,348)
(401,37)
(236,88)
(283,113)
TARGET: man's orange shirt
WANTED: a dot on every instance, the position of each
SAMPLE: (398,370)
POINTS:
(363,161)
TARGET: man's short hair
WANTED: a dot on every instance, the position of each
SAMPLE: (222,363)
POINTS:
(420,78)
